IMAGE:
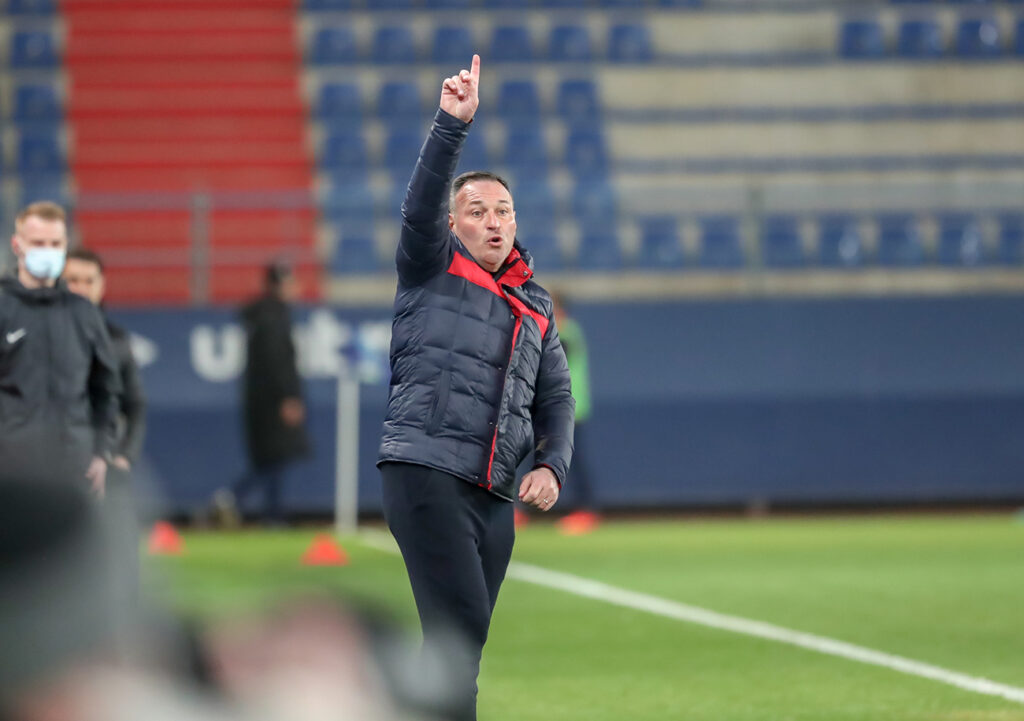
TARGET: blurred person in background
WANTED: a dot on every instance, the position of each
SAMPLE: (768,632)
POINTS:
(84,275)
(59,379)
(274,413)
(479,381)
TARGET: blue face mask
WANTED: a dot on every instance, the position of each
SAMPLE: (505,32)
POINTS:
(45,263)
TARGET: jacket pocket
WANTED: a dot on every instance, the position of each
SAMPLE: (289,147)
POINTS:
(437,408)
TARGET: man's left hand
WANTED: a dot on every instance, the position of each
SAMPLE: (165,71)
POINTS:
(539,488)
(96,474)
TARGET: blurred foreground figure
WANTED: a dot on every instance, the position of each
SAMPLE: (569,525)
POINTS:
(58,374)
(84,275)
(274,413)
(72,651)
(479,381)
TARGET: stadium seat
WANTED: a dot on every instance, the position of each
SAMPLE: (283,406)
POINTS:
(545,250)
(781,246)
(630,43)
(840,244)
(399,100)
(31,7)
(979,38)
(327,5)
(474,155)
(518,100)
(594,203)
(660,247)
(340,102)
(448,5)
(392,4)
(345,152)
(511,44)
(960,241)
(569,43)
(393,44)
(861,39)
(536,207)
(577,100)
(334,46)
(585,152)
(1011,239)
(563,3)
(401,149)
(1018,45)
(348,201)
(453,44)
(920,39)
(721,245)
(507,4)
(39,154)
(33,49)
(526,152)
(36,104)
(599,249)
(899,241)
(356,252)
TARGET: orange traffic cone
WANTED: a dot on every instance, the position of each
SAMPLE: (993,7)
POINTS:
(164,540)
(324,551)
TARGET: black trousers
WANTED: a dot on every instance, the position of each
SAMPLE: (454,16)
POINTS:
(456,539)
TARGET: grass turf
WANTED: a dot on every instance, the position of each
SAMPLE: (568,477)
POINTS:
(942,590)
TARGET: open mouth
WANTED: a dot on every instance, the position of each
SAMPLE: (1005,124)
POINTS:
(495,240)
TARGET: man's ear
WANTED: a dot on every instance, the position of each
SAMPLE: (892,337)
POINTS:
(14,244)
(451,221)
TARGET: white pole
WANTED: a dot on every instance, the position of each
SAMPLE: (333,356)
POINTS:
(346,460)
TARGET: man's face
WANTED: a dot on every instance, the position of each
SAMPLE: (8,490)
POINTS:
(485,222)
(34,232)
(85,279)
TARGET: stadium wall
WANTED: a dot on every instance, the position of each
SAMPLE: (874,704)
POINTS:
(697,403)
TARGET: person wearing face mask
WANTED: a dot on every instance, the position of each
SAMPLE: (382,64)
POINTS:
(58,373)
(479,382)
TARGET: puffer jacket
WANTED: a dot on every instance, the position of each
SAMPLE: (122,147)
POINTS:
(478,375)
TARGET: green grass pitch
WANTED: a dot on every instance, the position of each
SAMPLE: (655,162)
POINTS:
(947,591)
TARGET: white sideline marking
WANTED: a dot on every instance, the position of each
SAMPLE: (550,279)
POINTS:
(599,591)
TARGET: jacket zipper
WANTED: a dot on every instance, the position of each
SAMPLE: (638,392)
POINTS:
(508,369)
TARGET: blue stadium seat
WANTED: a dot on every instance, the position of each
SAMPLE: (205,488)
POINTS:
(393,44)
(474,155)
(355,253)
(960,241)
(1011,239)
(536,208)
(1018,45)
(660,247)
(507,4)
(577,100)
(518,100)
(861,40)
(594,203)
(599,249)
(979,38)
(340,102)
(348,201)
(453,44)
(511,44)
(345,152)
(585,152)
(920,39)
(781,246)
(448,5)
(899,241)
(630,43)
(36,104)
(721,245)
(44,186)
(563,3)
(400,101)
(334,46)
(569,43)
(392,4)
(33,49)
(32,7)
(840,244)
(40,154)
(546,252)
(326,5)
(401,149)
(526,153)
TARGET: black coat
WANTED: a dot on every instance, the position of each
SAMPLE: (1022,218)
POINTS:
(58,383)
(131,426)
(271,376)
(478,376)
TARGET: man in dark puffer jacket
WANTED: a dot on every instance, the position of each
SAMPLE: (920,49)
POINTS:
(479,381)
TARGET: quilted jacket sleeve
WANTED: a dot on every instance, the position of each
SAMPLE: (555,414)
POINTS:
(554,409)
(425,246)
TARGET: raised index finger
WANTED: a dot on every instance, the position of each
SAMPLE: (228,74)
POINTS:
(474,69)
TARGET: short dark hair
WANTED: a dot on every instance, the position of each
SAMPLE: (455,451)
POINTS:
(276,273)
(87,255)
(471,177)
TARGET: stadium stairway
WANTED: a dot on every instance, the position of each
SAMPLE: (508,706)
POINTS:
(175,106)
